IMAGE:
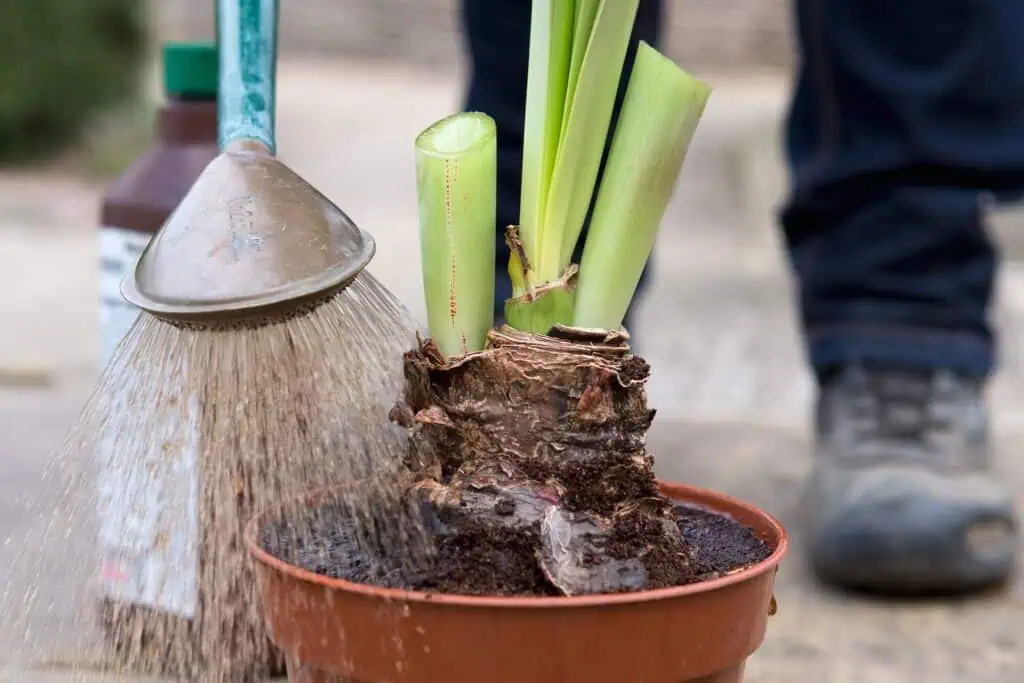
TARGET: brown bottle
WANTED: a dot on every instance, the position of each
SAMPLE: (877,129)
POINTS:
(149,583)
(137,204)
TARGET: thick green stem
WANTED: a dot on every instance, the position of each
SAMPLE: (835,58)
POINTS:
(539,308)
(456,179)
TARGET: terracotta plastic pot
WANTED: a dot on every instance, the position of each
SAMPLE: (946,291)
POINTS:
(333,631)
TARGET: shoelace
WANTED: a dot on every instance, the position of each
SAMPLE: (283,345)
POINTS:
(890,416)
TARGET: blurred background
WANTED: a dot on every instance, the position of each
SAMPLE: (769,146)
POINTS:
(358,79)
(734,34)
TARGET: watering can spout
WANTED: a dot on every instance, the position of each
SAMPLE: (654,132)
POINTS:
(252,237)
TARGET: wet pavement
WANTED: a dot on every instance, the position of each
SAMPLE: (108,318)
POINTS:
(717,327)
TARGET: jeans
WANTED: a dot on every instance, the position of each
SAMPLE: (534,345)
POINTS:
(905,115)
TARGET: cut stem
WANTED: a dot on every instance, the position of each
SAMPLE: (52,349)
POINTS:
(662,108)
(456,180)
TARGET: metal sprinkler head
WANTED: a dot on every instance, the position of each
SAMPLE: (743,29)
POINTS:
(251,239)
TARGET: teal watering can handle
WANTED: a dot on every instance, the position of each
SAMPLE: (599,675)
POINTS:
(247,40)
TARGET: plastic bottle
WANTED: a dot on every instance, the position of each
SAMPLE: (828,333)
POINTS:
(136,205)
(149,584)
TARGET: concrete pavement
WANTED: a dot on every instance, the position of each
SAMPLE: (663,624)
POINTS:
(717,327)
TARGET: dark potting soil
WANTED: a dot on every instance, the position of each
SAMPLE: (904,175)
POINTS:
(323,542)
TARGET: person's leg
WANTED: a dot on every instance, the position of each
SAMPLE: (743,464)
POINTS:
(498,40)
(904,114)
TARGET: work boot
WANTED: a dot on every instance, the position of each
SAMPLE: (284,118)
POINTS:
(901,498)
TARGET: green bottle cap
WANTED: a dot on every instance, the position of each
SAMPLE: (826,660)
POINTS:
(190,70)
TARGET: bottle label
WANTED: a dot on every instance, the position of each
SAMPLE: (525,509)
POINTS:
(148,511)
(119,251)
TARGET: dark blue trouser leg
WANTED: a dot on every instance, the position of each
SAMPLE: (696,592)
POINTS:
(498,39)
(905,113)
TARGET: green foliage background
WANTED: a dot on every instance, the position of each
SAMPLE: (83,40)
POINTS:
(62,63)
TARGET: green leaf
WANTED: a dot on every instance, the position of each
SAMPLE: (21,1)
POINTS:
(586,12)
(662,108)
(551,30)
(579,156)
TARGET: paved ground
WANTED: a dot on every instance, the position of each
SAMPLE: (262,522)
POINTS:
(717,327)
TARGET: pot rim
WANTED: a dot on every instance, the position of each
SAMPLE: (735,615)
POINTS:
(693,495)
